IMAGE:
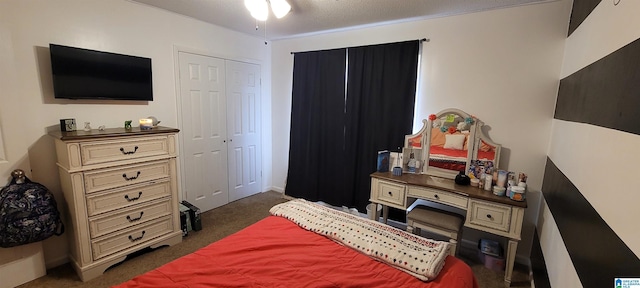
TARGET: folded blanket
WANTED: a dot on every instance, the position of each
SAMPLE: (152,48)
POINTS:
(418,256)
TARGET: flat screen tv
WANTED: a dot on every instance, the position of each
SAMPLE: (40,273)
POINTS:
(88,74)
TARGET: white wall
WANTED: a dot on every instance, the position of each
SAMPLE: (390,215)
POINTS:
(502,66)
(27,105)
(594,157)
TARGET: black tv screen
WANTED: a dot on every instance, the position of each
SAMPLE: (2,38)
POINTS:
(88,74)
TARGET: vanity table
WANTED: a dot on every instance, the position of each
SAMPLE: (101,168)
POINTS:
(444,159)
(485,212)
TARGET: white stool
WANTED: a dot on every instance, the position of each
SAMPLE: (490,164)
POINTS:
(436,221)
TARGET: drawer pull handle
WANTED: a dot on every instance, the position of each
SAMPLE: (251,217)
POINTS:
(128,152)
(489,216)
(137,238)
(390,194)
(133,199)
(437,197)
(132,177)
(135,219)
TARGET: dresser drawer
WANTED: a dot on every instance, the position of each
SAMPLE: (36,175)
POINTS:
(117,150)
(110,200)
(391,192)
(139,234)
(110,178)
(490,215)
(439,196)
(128,217)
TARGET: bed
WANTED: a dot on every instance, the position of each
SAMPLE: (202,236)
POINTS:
(450,159)
(448,151)
(279,251)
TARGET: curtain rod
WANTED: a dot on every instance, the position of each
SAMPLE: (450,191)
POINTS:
(421,40)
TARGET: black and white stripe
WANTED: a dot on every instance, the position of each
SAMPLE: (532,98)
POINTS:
(587,229)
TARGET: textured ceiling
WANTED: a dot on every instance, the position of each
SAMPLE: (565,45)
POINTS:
(317,16)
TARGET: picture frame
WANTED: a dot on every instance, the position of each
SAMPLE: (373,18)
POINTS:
(476,168)
(413,160)
(68,125)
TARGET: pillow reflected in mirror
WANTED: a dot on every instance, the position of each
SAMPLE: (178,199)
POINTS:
(437,137)
(454,141)
(485,147)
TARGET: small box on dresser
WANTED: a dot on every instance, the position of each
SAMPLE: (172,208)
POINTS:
(120,187)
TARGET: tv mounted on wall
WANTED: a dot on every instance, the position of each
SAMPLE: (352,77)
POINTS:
(88,74)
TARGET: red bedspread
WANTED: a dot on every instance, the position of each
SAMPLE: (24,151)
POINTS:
(275,252)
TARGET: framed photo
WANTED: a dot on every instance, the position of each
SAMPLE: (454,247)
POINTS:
(412,160)
(68,125)
(384,161)
(477,167)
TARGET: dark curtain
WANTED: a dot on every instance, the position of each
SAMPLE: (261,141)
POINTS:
(381,88)
(334,141)
(316,153)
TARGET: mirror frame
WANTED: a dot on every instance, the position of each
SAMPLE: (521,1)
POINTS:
(440,172)
(483,137)
(422,135)
(475,133)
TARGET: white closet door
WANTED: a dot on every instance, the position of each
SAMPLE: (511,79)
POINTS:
(204,130)
(243,126)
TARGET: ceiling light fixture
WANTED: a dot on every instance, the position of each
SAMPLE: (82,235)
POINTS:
(260,8)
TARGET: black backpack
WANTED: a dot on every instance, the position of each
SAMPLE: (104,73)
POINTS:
(28,213)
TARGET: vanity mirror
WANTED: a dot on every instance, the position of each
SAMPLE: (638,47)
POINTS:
(452,141)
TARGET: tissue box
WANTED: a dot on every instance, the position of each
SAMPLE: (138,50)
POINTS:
(492,262)
(490,247)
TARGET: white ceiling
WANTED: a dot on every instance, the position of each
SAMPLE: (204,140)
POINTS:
(317,16)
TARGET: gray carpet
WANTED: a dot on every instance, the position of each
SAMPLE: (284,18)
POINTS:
(217,224)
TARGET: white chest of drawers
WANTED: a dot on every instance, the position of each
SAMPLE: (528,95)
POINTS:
(120,188)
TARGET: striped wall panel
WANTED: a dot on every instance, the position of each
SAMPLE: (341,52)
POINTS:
(581,9)
(597,253)
(605,93)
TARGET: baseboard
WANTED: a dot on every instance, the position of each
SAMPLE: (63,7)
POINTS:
(52,263)
(277,189)
(23,264)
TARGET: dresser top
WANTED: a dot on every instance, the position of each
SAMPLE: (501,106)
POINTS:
(110,132)
(447,185)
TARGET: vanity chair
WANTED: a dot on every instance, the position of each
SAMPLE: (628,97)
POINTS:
(436,221)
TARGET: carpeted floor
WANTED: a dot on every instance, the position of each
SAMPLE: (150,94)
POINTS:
(217,224)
